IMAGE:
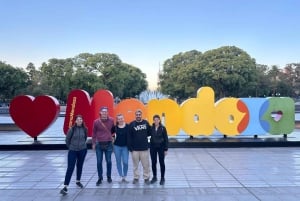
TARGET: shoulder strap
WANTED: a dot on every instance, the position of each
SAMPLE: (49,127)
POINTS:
(104,126)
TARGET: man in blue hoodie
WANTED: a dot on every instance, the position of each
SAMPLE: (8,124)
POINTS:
(138,145)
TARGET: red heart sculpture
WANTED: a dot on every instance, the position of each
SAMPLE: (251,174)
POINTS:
(34,115)
(79,102)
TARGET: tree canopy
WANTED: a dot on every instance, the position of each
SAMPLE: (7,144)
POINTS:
(12,82)
(229,70)
(86,71)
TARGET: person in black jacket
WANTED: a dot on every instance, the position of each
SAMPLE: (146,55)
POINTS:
(76,143)
(158,146)
(138,145)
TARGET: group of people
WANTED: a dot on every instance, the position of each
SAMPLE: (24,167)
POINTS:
(120,138)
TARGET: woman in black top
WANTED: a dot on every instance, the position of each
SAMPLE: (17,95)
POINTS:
(158,146)
(120,147)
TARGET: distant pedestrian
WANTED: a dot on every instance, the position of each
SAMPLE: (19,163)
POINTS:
(139,131)
(76,143)
(158,146)
(120,147)
(102,142)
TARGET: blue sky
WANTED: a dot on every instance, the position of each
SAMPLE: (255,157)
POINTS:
(146,33)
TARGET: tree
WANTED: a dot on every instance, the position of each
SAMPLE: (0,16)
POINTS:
(88,81)
(122,79)
(233,72)
(229,70)
(13,81)
(178,77)
(34,87)
(56,77)
(263,82)
(273,75)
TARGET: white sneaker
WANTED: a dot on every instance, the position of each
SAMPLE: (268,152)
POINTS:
(121,180)
(125,181)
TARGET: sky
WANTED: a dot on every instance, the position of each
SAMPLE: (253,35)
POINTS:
(146,33)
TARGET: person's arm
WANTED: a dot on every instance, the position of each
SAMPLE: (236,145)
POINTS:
(69,136)
(166,139)
(113,129)
(129,138)
(148,129)
(94,136)
(113,132)
(86,132)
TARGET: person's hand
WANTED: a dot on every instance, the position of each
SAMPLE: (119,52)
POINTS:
(166,152)
(93,146)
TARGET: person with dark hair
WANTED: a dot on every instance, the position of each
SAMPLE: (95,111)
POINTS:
(120,147)
(139,131)
(76,142)
(158,146)
(102,138)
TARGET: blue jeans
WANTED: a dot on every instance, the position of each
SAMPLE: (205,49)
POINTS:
(121,154)
(75,157)
(99,154)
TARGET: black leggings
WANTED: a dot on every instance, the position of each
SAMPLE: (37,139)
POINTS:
(161,157)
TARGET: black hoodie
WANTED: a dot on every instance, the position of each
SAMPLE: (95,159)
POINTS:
(138,135)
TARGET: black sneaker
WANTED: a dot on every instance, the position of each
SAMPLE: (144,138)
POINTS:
(147,181)
(79,184)
(64,191)
(109,180)
(99,182)
(135,181)
(153,180)
(162,181)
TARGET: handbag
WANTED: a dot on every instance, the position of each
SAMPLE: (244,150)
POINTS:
(103,145)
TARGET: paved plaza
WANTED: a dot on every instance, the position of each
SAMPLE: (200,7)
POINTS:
(216,174)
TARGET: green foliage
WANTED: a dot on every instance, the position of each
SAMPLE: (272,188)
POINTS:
(34,87)
(234,72)
(56,77)
(13,81)
(123,80)
(179,78)
(230,71)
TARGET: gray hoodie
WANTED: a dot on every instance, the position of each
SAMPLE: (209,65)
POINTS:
(76,138)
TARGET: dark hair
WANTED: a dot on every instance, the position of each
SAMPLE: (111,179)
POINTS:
(80,116)
(138,111)
(83,125)
(156,116)
(103,108)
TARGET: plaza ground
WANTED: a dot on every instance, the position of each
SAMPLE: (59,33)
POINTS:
(216,174)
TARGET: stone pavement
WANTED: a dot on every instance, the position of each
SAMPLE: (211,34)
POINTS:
(216,174)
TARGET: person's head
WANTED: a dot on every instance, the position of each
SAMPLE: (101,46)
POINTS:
(103,112)
(156,120)
(138,115)
(120,119)
(79,120)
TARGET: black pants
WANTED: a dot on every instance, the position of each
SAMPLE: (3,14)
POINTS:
(161,157)
(75,158)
